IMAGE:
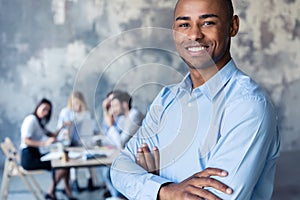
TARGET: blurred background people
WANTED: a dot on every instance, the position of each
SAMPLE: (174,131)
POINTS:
(34,135)
(120,122)
(129,119)
(78,133)
(108,118)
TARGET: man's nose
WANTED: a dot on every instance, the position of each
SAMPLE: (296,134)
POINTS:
(195,33)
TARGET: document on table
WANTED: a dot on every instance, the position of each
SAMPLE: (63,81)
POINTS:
(51,156)
(97,153)
(85,154)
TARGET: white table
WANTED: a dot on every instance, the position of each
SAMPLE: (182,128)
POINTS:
(77,158)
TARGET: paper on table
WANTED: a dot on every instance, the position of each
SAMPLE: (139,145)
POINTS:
(74,154)
(107,152)
(51,156)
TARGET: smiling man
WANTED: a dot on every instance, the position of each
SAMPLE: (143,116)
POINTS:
(216,131)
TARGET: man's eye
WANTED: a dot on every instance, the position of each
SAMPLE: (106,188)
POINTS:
(184,25)
(208,23)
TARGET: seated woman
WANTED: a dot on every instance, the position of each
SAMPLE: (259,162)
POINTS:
(33,136)
(81,129)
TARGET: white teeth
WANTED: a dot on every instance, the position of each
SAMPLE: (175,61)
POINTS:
(195,49)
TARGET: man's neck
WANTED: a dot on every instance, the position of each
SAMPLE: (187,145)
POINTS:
(200,76)
(126,113)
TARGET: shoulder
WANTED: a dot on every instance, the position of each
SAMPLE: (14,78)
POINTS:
(243,92)
(65,111)
(66,114)
(135,113)
(243,87)
(30,119)
(166,95)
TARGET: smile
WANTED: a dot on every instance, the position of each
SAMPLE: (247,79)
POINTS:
(196,49)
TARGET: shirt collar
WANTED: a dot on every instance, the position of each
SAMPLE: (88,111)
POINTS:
(211,87)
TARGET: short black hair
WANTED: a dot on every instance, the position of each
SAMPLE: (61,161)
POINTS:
(113,92)
(123,97)
(230,8)
(228,4)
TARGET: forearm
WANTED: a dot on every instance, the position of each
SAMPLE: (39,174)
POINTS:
(132,180)
(34,143)
(55,134)
(62,125)
(108,118)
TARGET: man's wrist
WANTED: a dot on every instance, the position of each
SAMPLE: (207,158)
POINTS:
(162,191)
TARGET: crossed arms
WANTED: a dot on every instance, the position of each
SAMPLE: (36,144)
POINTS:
(192,188)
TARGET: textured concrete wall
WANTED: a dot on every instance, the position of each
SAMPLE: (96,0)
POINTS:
(49,47)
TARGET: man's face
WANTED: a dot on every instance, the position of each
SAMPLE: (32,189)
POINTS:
(116,107)
(202,31)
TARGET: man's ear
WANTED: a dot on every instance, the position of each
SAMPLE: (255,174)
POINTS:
(235,24)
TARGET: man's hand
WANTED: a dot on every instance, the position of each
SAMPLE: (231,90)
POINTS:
(194,186)
(149,161)
(107,114)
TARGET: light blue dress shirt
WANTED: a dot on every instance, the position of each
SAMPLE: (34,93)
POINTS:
(228,123)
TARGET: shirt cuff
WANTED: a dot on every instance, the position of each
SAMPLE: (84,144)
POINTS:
(152,187)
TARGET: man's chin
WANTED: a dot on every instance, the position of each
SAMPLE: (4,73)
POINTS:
(200,64)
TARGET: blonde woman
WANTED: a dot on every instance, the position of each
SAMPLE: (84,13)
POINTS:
(76,112)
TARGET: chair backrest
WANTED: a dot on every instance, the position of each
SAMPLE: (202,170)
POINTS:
(10,151)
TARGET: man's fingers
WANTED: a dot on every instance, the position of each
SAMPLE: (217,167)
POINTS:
(202,182)
(200,192)
(156,160)
(192,196)
(149,158)
(205,180)
(141,159)
(212,172)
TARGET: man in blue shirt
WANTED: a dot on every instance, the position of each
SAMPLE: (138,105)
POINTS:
(216,131)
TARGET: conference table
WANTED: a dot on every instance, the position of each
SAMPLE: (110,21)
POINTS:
(81,157)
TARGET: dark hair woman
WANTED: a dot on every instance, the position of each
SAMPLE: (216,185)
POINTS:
(34,134)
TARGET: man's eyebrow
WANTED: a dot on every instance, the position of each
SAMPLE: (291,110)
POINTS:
(182,18)
(205,16)
(208,16)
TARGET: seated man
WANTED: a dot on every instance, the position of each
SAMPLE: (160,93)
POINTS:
(121,122)
(128,123)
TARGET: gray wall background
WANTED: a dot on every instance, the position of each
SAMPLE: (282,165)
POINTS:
(50,47)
